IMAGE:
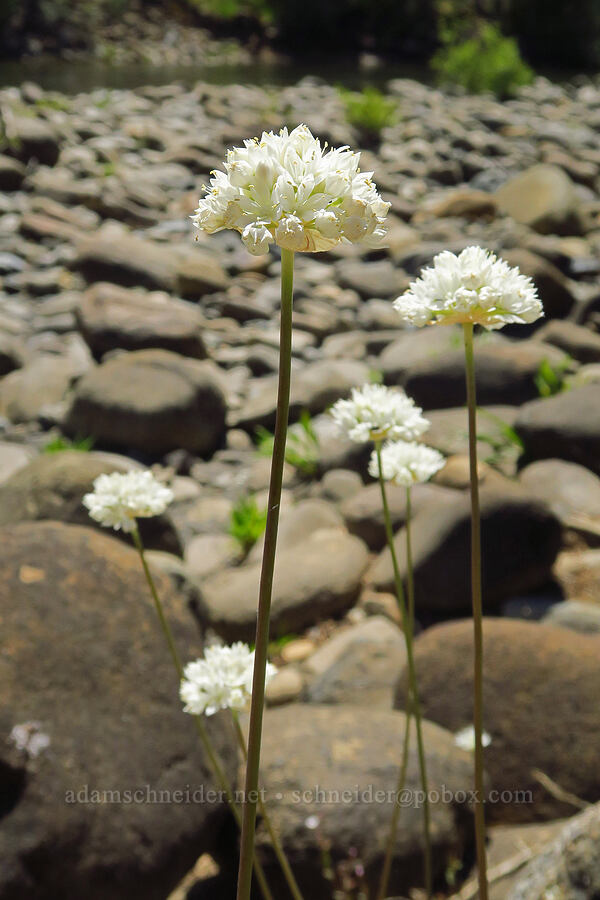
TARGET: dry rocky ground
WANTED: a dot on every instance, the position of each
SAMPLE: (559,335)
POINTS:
(116,326)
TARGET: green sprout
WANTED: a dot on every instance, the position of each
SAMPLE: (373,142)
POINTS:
(550,379)
(60,443)
(247,522)
(369,111)
(302,449)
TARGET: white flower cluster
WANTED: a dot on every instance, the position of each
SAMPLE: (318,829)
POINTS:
(285,188)
(474,286)
(376,412)
(406,463)
(221,680)
(120,498)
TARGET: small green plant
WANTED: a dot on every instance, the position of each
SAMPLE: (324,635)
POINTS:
(108,169)
(230,9)
(488,61)
(369,111)
(277,644)
(302,448)
(60,443)
(247,523)
(504,442)
(550,379)
(57,103)
(375,376)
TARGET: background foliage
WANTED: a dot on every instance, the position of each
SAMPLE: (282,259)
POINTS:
(549,32)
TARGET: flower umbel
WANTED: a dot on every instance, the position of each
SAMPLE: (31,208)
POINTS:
(474,287)
(221,680)
(406,463)
(120,498)
(286,188)
(375,412)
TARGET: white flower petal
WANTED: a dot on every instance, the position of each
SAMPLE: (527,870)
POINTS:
(375,412)
(406,463)
(475,287)
(120,498)
(308,199)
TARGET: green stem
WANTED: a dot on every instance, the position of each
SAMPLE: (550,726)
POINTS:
(391,841)
(412,673)
(266,578)
(410,578)
(213,757)
(387,864)
(477,614)
(279,851)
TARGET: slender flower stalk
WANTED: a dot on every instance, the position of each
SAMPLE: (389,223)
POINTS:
(391,841)
(403,463)
(413,703)
(207,744)
(288,190)
(477,612)
(377,413)
(473,288)
(117,501)
(275,842)
(410,578)
(265,590)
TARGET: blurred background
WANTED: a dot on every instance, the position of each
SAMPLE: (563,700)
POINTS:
(275,39)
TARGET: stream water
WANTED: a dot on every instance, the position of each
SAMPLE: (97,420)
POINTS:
(74,76)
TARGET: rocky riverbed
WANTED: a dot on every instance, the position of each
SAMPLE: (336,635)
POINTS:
(120,333)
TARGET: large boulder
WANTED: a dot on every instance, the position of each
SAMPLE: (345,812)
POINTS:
(314,388)
(571,491)
(542,197)
(12,173)
(126,260)
(359,665)
(39,385)
(318,578)
(554,289)
(90,715)
(506,374)
(578,341)
(152,401)
(413,347)
(566,426)
(568,868)
(297,523)
(52,486)
(540,691)
(12,458)
(508,847)
(32,139)
(497,443)
(363,511)
(372,279)
(110,317)
(331,777)
(520,539)
(576,615)
(137,262)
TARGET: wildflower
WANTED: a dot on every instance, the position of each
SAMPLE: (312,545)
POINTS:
(406,463)
(286,188)
(375,412)
(474,287)
(465,738)
(120,498)
(221,680)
